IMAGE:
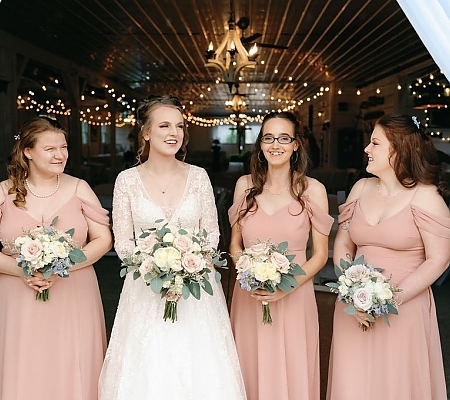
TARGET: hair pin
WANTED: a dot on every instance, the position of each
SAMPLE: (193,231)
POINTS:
(17,137)
(414,118)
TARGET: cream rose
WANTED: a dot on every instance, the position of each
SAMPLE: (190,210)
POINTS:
(382,291)
(32,250)
(243,263)
(258,250)
(183,243)
(357,273)
(167,258)
(58,249)
(168,237)
(192,263)
(266,271)
(362,299)
(280,261)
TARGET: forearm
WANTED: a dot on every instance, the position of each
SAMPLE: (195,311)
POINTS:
(8,266)
(93,251)
(312,267)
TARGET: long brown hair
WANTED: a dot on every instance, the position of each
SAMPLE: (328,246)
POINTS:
(19,168)
(259,166)
(413,157)
(144,119)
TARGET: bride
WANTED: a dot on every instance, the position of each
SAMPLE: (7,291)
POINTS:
(148,358)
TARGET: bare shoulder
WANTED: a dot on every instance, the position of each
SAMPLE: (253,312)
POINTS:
(358,187)
(4,187)
(82,189)
(428,198)
(242,185)
(317,192)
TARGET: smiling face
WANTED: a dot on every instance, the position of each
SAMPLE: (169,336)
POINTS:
(165,133)
(379,152)
(49,155)
(277,153)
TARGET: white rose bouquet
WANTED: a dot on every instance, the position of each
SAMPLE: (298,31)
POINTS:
(266,265)
(174,263)
(49,251)
(367,291)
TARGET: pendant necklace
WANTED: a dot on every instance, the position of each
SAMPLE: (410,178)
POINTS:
(43,196)
(164,190)
(278,193)
(387,197)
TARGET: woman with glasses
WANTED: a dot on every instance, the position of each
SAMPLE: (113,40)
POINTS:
(194,357)
(278,202)
(52,349)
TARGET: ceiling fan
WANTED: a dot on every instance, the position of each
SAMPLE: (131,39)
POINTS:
(243,24)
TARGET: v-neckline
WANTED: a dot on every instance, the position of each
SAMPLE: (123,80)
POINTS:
(277,211)
(50,218)
(384,220)
(161,208)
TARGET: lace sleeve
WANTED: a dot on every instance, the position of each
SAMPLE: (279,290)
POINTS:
(122,218)
(208,220)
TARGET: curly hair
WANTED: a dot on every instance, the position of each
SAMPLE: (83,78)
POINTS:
(144,112)
(18,169)
(258,166)
(413,156)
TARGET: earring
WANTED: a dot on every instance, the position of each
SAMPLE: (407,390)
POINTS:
(296,158)
(259,157)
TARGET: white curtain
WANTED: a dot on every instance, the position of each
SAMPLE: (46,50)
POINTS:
(431,20)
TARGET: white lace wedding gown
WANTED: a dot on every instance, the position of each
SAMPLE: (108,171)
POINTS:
(149,358)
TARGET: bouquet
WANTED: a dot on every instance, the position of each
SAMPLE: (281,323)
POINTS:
(174,263)
(266,265)
(49,251)
(368,292)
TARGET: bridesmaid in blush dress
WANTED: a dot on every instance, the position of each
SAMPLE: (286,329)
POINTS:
(53,349)
(399,221)
(279,202)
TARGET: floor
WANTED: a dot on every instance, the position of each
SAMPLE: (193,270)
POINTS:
(111,284)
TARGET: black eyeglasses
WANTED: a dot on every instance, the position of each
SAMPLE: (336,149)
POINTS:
(52,121)
(284,139)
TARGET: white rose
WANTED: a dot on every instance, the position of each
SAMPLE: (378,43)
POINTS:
(196,247)
(58,249)
(168,258)
(281,262)
(266,271)
(362,299)
(382,291)
(168,237)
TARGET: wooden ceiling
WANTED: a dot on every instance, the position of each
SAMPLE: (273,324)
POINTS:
(158,46)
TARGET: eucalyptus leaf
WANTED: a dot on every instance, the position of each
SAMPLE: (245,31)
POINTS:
(70,231)
(333,285)
(350,310)
(338,271)
(290,280)
(156,284)
(344,264)
(297,270)
(392,309)
(182,231)
(282,247)
(359,260)
(217,276)
(123,272)
(54,221)
(207,287)
(136,275)
(185,292)
(194,288)
(385,319)
(290,257)
(77,256)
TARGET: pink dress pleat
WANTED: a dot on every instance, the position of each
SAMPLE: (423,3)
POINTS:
(403,361)
(280,361)
(52,350)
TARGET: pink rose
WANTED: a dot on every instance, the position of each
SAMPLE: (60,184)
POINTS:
(32,250)
(192,263)
(362,299)
(258,249)
(183,243)
(146,245)
(243,263)
(357,273)
(146,267)
(280,261)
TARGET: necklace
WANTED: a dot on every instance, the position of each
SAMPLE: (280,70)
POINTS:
(276,194)
(388,197)
(164,190)
(43,196)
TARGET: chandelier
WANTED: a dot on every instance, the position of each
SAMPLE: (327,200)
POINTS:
(237,104)
(231,56)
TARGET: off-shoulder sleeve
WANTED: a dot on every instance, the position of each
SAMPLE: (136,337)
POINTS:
(209,220)
(432,223)
(346,211)
(94,212)
(233,211)
(321,220)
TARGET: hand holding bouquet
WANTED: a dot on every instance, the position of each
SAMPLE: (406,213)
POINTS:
(368,292)
(265,265)
(49,251)
(174,263)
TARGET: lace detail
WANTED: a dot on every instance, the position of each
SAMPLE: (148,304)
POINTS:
(147,358)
